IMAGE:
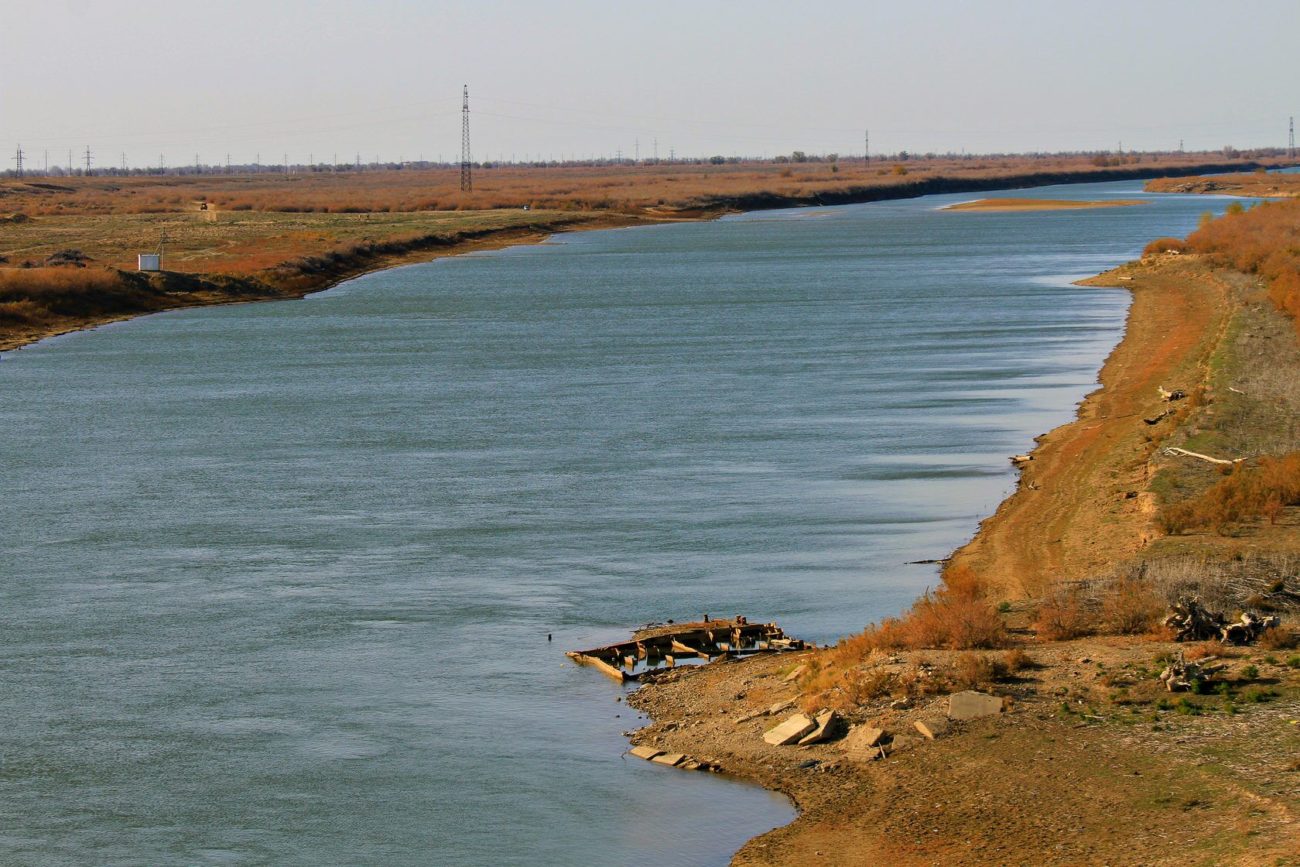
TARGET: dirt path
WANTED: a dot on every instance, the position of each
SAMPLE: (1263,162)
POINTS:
(1081,503)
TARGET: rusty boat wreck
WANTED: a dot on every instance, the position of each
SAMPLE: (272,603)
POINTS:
(658,648)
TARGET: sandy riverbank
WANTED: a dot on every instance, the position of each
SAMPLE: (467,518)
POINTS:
(1010,205)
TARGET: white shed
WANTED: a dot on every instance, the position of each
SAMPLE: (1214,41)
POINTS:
(149,262)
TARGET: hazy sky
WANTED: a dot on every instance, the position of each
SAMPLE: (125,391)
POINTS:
(383,77)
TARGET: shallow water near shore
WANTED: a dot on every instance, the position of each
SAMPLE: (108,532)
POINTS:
(278,579)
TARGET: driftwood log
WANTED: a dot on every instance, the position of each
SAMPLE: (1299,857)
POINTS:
(1184,453)
(1191,621)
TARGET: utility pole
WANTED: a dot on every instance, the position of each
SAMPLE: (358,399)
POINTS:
(197,170)
(637,150)
(162,166)
(466,170)
(286,164)
(18,162)
(656,148)
(46,169)
(123,161)
(866,147)
(227,163)
(1290,145)
(87,159)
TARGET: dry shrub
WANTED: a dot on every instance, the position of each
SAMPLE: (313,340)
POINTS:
(1283,637)
(972,670)
(1203,650)
(1016,659)
(1263,241)
(1246,493)
(1063,616)
(955,616)
(1131,606)
(1164,245)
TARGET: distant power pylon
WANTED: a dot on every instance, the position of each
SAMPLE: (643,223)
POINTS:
(466,171)
(1290,145)
(18,162)
(866,146)
(87,159)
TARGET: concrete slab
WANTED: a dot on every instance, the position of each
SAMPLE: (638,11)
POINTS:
(827,723)
(789,731)
(645,752)
(862,739)
(670,759)
(973,705)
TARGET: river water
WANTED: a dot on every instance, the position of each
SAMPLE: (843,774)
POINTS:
(276,580)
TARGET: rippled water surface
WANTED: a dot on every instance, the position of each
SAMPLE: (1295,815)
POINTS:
(276,580)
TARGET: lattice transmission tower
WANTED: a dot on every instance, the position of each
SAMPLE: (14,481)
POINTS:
(466,169)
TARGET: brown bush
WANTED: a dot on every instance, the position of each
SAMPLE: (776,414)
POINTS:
(1063,616)
(1016,659)
(1261,240)
(1164,245)
(1247,492)
(973,670)
(1131,606)
(1283,637)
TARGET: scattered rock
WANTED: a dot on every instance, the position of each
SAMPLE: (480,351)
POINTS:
(781,705)
(863,742)
(973,705)
(790,731)
(827,724)
(931,728)
(796,674)
(902,743)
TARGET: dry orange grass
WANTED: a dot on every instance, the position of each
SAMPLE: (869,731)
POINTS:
(1263,240)
(599,187)
(1247,492)
(955,616)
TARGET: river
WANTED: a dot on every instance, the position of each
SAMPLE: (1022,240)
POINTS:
(291,582)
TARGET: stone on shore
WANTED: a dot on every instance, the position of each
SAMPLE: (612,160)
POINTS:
(827,722)
(670,759)
(789,731)
(973,705)
(931,728)
(863,742)
(646,752)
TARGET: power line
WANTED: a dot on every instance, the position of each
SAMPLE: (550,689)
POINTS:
(466,173)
